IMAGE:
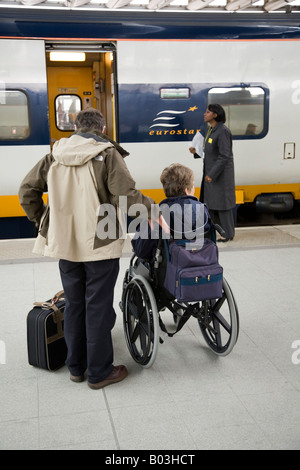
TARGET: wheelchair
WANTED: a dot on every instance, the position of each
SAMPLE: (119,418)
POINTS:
(144,302)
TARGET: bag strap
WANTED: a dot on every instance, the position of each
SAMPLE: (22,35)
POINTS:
(58,296)
(183,319)
(58,315)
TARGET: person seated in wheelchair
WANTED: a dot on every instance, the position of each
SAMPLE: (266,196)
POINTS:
(177,272)
(187,217)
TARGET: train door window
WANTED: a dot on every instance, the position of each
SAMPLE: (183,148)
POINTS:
(244,107)
(14,115)
(66,108)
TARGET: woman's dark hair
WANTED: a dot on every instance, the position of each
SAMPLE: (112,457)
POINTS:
(217,108)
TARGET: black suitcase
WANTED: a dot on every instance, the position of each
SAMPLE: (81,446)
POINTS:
(45,334)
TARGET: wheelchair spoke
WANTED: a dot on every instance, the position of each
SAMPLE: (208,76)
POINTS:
(141,326)
(143,340)
(218,304)
(220,320)
(217,335)
(138,301)
(133,309)
(136,333)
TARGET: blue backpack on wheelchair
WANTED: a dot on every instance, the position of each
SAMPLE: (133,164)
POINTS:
(190,269)
(193,271)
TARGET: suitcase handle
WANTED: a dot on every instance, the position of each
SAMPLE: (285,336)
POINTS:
(58,296)
(58,315)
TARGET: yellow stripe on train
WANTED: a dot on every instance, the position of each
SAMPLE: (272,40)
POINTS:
(243,194)
(10,205)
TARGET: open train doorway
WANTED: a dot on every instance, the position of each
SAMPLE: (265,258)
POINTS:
(80,75)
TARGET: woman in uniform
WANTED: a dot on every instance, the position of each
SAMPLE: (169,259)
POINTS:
(219,185)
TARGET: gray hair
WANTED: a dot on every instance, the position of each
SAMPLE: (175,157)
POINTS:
(90,118)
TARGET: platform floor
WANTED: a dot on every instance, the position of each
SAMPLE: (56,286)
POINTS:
(189,399)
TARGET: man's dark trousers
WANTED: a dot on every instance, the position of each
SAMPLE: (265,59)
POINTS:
(89,316)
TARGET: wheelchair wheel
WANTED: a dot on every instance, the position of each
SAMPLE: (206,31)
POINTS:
(219,322)
(140,321)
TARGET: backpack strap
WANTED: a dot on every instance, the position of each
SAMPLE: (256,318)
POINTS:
(182,319)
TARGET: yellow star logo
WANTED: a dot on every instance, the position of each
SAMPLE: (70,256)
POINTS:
(193,108)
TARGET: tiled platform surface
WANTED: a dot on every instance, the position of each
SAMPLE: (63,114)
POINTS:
(281,235)
(189,399)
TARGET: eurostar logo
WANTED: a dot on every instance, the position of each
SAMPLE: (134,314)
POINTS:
(169,122)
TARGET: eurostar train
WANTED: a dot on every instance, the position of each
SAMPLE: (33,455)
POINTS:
(152,74)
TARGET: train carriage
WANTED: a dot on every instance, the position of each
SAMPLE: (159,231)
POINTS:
(152,75)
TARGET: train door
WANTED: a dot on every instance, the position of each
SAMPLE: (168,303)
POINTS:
(79,76)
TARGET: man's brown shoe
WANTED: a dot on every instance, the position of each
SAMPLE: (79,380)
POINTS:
(119,373)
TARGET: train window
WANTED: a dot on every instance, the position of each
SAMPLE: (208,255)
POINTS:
(66,108)
(14,119)
(174,93)
(244,107)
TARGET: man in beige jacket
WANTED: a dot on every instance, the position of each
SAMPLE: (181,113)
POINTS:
(82,174)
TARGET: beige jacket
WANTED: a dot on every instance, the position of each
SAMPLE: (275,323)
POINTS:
(83,175)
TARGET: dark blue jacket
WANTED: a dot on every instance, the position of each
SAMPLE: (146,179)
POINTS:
(187,218)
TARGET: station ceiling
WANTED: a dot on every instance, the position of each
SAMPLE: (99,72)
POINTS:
(221,6)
